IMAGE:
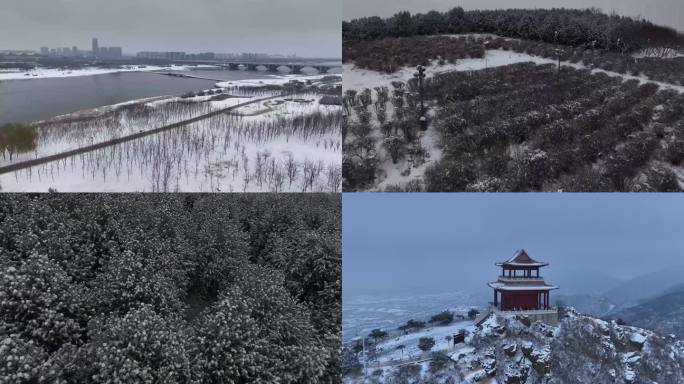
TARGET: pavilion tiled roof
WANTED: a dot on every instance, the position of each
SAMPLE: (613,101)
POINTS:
(521,258)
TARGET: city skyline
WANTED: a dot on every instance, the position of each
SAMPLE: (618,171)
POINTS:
(310,28)
(74,50)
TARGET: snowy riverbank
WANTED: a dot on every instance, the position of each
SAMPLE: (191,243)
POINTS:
(43,73)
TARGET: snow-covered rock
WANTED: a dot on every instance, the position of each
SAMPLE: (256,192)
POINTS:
(580,349)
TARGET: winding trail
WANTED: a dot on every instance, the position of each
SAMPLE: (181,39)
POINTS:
(47,159)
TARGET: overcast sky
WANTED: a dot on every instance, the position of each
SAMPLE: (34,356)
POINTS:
(449,242)
(306,27)
(665,12)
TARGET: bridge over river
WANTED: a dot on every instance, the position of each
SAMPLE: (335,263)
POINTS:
(321,66)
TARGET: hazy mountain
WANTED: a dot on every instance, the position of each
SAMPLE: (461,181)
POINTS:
(582,281)
(645,286)
(589,304)
(663,313)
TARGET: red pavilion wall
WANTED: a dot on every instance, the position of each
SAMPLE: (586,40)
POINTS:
(518,300)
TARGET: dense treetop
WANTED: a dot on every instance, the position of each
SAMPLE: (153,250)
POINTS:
(169,288)
(587,27)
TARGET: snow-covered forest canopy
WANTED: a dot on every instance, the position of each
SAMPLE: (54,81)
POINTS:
(170,288)
(586,27)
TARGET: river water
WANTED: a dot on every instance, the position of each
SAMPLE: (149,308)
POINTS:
(37,99)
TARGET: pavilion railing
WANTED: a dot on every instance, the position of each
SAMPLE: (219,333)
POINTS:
(514,278)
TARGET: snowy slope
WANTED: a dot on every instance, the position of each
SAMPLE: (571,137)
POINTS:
(581,349)
(358,78)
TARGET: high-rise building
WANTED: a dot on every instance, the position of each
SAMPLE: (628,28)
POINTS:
(44,51)
(96,49)
(110,53)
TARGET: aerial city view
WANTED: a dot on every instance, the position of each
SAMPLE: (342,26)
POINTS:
(168,109)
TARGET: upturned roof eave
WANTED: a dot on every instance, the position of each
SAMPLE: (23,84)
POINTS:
(503,287)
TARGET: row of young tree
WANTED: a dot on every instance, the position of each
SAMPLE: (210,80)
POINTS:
(523,127)
(587,27)
(170,288)
(541,129)
(394,112)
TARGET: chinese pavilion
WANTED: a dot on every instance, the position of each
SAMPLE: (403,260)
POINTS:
(520,287)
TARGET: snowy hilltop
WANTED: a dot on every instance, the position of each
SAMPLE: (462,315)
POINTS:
(515,350)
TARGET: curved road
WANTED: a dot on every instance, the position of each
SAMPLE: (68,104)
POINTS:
(135,136)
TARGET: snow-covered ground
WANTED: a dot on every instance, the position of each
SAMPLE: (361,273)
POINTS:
(222,153)
(389,351)
(359,78)
(275,80)
(54,138)
(42,73)
(515,350)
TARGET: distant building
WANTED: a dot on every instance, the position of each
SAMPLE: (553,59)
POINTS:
(165,55)
(96,48)
(251,56)
(520,290)
(110,52)
(45,51)
(74,51)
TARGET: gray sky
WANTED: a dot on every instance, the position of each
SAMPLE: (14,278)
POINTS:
(418,243)
(665,12)
(306,27)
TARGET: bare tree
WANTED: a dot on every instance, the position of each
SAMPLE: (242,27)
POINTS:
(334,178)
(292,168)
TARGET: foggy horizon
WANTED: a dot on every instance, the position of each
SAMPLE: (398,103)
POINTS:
(307,28)
(664,12)
(428,243)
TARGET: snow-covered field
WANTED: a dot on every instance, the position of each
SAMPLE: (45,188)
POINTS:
(220,154)
(289,143)
(42,73)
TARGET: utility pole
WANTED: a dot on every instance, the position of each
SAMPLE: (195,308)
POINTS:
(558,51)
(420,75)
